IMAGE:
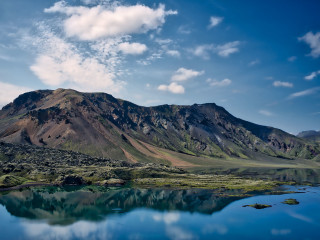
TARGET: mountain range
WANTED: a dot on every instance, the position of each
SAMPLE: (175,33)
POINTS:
(100,125)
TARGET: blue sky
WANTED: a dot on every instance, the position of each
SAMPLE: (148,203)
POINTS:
(258,59)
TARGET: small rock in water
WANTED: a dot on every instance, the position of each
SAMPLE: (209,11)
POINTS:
(291,201)
(258,206)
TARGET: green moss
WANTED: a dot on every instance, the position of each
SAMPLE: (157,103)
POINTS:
(291,201)
(11,181)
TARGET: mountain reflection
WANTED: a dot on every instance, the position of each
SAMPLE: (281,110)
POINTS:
(64,206)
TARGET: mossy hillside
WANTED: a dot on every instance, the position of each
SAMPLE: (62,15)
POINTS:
(228,182)
(52,166)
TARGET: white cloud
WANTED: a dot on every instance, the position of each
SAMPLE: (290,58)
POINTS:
(202,51)
(215,21)
(312,75)
(223,50)
(183,74)
(304,93)
(132,48)
(282,84)
(313,40)
(99,22)
(60,63)
(172,87)
(8,92)
(173,53)
(163,41)
(223,83)
(292,58)
(266,113)
(229,48)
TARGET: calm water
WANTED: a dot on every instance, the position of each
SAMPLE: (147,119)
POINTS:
(91,213)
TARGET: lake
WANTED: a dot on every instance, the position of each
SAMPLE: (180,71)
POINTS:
(126,213)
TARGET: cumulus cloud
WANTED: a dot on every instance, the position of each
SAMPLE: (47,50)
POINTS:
(313,40)
(223,50)
(132,48)
(266,113)
(223,83)
(183,74)
(8,92)
(215,21)
(172,87)
(282,84)
(92,23)
(307,92)
(312,75)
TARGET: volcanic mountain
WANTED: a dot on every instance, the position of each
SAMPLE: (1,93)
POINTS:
(100,125)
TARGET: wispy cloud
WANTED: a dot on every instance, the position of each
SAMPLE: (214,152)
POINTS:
(307,92)
(223,50)
(266,113)
(62,63)
(312,75)
(215,21)
(183,74)
(184,30)
(282,84)
(227,49)
(223,83)
(173,53)
(254,62)
(92,23)
(292,58)
(313,40)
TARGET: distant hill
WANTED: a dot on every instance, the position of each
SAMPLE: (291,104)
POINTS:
(310,135)
(100,125)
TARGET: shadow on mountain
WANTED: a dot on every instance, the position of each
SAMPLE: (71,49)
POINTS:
(64,206)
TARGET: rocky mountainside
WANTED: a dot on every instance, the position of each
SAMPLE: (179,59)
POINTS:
(100,125)
(310,135)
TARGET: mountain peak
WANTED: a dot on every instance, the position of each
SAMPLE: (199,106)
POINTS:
(101,125)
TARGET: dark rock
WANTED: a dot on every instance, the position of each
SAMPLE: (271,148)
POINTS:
(72,180)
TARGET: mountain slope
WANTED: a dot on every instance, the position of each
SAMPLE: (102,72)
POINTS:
(310,135)
(101,125)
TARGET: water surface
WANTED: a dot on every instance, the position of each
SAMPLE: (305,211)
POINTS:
(124,213)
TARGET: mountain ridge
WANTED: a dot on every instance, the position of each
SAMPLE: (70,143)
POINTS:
(101,125)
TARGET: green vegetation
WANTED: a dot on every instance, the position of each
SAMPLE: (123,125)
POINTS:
(11,181)
(291,201)
(24,164)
